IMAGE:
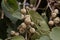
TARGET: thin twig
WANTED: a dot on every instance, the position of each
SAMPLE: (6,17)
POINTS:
(50,7)
(2,15)
(24,3)
(38,4)
(26,36)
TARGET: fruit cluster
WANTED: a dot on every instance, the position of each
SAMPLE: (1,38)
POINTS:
(26,25)
(54,19)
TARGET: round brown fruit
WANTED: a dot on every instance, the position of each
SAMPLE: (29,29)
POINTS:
(23,11)
(12,32)
(21,30)
(32,30)
(31,5)
(53,15)
(56,11)
(27,7)
(16,34)
(23,25)
(27,21)
(57,20)
(51,23)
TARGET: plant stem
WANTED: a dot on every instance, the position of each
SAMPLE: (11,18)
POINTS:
(38,4)
(26,36)
(24,3)
(50,7)
(2,15)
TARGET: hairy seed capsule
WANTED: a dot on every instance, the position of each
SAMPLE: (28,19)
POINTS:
(12,32)
(23,11)
(56,20)
(23,25)
(51,23)
(32,30)
(53,15)
(56,11)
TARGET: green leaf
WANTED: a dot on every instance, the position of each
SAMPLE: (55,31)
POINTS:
(40,24)
(18,38)
(55,34)
(11,9)
(39,21)
(35,36)
(44,38)
(13,4)
(0,39)
(44,17)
